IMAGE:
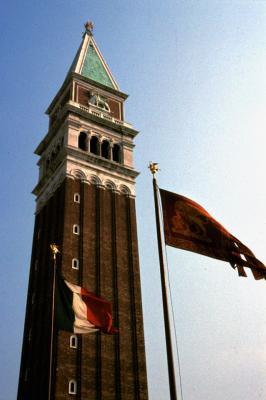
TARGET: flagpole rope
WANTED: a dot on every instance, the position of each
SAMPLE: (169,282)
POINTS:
(172,308)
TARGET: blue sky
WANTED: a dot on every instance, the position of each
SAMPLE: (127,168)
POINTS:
(196,75)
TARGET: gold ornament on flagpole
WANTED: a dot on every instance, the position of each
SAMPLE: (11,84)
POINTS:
(153,168)
(54,249)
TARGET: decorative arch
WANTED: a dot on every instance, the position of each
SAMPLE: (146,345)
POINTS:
(125,190)
(78,174)
(95,180)
(110,185)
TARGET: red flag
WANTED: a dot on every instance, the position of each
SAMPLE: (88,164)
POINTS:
(189,226)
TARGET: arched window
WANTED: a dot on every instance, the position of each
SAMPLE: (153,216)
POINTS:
(75,263)
(105,149)
(116,153)
(72,387)
(73,342)
(76,229)
(83,141)
(76,198)
(94,145)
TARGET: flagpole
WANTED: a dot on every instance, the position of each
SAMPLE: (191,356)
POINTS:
(171,373)
(54,250)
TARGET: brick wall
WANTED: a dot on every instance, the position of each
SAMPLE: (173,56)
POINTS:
(106,367)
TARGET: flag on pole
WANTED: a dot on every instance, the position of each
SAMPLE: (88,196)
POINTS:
(80,311)
(189,226)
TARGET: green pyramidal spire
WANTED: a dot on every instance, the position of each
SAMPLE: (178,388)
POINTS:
(90,63)
(93,68)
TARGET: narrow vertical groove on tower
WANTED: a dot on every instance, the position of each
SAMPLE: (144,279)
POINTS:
(89,357)
(116,299)
(98,290)
(132,293)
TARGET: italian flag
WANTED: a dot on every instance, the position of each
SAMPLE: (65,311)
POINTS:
(80,311)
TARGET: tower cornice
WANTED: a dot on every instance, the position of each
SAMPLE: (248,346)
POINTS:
(87,162)
(74,108)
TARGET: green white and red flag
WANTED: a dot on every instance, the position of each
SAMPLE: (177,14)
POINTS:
(80,311)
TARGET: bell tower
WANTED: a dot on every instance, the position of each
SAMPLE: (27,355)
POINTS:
(85,203)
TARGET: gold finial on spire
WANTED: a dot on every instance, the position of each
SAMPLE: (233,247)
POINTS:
(89,27)
(153,168)
(54,250)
